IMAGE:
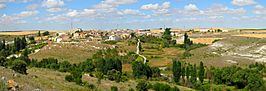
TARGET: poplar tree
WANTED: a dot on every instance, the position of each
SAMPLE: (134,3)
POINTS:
(176,70)
(201,72)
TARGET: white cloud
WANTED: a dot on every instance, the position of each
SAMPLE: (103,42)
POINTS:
(111,4)
(2,6)
(191,7)
(6,1)
(87,12)
(57,18)
(129,12)
(17,18)
(3,2)
(150,7)
(24,14)
(243,2)
(32,7)
(214,10)
(157,9)
(259,9)
(73,13)
(218,9)
(83,13)
(56,9)
(53,3)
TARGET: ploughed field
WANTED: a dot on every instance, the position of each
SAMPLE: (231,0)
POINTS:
(18,33)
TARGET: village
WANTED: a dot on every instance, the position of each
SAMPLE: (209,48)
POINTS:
(79,34)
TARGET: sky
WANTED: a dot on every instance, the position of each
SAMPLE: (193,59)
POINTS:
(130,14)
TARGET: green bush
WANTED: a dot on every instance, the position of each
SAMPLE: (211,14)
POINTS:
(131,89)
(114,75)
(114,88)
(142,86)
(69,78)
(161,87)
(19,66)
(88,85)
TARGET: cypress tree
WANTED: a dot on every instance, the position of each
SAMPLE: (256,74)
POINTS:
(176,70)
(201,72)
(194,73)
(188,72)
(4,44)
(23,43)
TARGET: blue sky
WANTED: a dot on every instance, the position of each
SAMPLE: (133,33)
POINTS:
(131,14)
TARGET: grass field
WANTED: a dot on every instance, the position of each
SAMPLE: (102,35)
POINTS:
(74,53)
(44,79)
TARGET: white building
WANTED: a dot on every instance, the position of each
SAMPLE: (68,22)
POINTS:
(113,37)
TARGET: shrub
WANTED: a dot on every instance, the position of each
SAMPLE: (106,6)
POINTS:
(161,87)
(114,88)
(131,89)
(19,66)
(142,86)
(88,85)
(114,75)
(69,78)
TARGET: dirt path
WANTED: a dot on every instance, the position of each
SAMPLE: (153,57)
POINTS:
(137,52)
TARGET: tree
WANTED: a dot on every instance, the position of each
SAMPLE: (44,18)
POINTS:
(194,74)
(176,70)
(87,66)
(132,35)
(201,72)
(23,43)
(188,72)
(32,40)
(25,56)
(140,69)
(39,33)
(2,61)
(167,36)
(142,86)
(156,72)
(45,33)
(187,41)
(183,73)
(3,44)
(255,82)
(19,66)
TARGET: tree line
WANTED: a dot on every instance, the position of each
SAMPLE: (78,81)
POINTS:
(250,78)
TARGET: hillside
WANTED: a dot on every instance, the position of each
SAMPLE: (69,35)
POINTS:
(44,79)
